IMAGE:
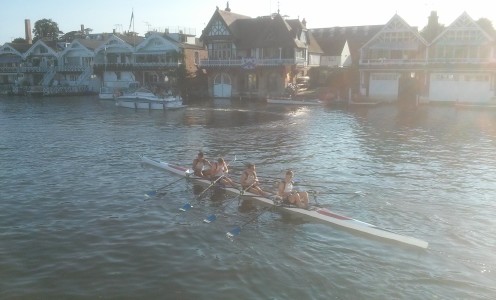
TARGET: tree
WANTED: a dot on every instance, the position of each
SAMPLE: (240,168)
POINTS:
(46,29)
(487,26)
(433,28)
(19,40)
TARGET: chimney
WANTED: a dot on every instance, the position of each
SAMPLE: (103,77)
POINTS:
(82,28)
(27,31)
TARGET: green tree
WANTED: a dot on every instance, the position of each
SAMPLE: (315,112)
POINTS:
(46,29)
(433,28)
(19,40)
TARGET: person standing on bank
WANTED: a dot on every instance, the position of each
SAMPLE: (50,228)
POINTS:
(249,180)
(199,165)
(289,195)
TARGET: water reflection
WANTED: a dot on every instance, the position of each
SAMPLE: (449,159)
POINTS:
(71,170)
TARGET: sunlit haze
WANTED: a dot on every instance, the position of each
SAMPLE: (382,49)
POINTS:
(105,16)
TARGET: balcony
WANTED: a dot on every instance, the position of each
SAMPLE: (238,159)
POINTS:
(458,63)
(71,68)
(136,66)
(387,63)
(250,63)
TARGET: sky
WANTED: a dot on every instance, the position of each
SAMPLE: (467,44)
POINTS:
(193,15)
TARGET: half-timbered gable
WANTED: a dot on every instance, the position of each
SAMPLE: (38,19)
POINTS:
(221,33)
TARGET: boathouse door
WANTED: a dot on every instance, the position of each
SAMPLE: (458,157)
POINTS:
(222,86)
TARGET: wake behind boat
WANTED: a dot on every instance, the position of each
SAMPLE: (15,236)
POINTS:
(293,101)
(315,214)
(145,99)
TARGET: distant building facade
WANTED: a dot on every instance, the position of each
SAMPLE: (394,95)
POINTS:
(255,57)
(459,65)
(84,65)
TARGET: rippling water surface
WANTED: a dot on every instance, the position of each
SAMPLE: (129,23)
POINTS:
(74,222)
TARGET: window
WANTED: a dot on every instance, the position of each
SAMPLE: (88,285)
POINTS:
(219,51)
(251,81)
(218,28)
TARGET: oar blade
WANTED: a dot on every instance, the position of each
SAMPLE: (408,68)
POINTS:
(150,194)
(186,207)
(210,219)
(233,232)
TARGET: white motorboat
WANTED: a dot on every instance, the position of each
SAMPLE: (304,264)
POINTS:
(145,99)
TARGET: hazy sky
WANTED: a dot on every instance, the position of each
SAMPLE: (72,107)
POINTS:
(106,15)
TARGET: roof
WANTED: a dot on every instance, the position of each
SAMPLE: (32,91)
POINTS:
(20,47)
(91,44)
(313,45)
(132,40)
(260,32)
(266,32)
(333,39)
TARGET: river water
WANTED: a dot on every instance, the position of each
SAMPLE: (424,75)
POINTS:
(74,222)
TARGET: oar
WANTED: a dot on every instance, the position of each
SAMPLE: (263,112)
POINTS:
(153,193)
(213,217)
(357,193)
(188,206)
(237,230)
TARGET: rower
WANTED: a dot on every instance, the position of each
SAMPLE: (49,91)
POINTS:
(290,196)
(249,181)
(199,165)
(219,172)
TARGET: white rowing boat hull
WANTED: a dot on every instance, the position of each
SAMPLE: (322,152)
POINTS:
(321,215)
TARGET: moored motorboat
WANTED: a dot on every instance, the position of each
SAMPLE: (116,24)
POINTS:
(315,214)
(145,99)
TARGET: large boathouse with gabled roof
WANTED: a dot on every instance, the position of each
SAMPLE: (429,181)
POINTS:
(255,57)
(392,63)
(462,64)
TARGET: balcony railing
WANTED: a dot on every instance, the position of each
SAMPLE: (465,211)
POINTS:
(71,68)
(431,61)
(387,61)
(252,62)
(139,64)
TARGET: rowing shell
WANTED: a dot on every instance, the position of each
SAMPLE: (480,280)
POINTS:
(315,214)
